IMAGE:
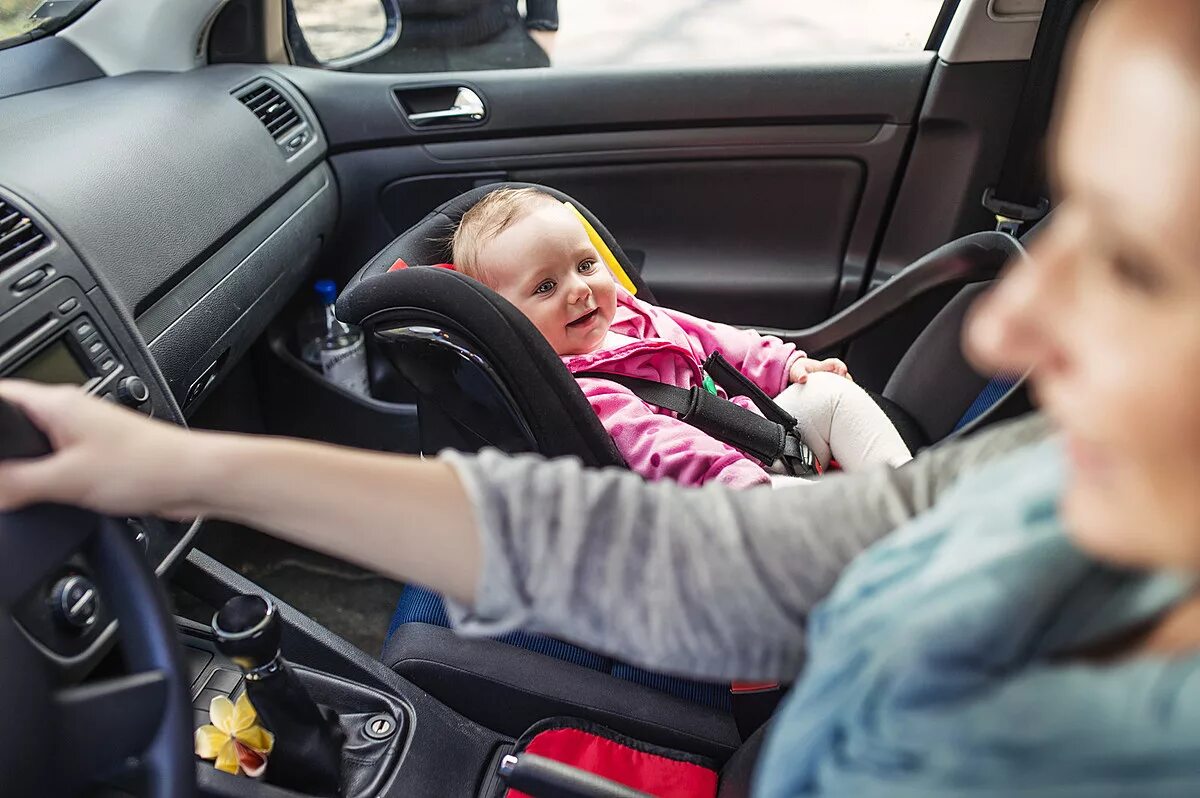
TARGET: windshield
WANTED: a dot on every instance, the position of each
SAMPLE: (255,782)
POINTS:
(25,20)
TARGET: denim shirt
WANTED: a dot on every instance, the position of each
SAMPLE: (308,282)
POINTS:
(936,665)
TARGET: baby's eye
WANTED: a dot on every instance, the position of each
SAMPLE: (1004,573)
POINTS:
(544,287)
(586,267)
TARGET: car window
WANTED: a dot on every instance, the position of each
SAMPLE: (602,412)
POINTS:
(24,20)
(440,35)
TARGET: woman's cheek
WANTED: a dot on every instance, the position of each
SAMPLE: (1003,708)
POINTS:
(1140,408)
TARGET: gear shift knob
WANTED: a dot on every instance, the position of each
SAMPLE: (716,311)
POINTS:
(248,631)
(308,739)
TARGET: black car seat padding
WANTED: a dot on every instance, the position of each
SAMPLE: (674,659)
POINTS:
(546,395)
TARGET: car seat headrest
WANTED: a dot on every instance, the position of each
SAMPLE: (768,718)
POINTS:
(428,241)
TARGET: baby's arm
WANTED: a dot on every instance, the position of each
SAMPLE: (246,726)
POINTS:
(764,359)
(660,446)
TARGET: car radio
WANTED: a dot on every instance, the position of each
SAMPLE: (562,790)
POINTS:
(62,340)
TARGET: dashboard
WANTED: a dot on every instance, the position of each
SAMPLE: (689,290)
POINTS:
(151,226)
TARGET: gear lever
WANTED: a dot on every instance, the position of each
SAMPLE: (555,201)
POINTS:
(308,740)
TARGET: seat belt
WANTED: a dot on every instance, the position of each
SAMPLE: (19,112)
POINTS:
(1019,195)
(763,439)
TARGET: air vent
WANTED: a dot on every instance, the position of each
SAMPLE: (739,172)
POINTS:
(271,108)
(19,236)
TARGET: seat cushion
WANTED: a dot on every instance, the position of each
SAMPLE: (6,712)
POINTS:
(418,605)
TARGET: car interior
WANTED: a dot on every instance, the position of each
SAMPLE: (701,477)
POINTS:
(174,177)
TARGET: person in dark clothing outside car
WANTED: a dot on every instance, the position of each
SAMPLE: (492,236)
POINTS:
(452,35)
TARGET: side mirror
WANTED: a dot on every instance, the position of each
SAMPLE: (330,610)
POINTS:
(338,34)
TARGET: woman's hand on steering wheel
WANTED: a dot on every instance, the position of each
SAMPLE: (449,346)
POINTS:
(106,458)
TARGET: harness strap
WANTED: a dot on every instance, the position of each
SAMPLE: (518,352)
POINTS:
(765,440)
(736,383)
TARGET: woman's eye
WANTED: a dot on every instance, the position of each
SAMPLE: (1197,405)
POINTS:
(1136,275)
(587,267)
(544,287)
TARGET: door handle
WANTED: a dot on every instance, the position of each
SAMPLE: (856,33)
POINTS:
(467,107)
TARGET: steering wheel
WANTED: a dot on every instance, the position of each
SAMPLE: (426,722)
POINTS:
(56,739)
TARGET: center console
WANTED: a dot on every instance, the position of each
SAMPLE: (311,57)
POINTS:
(59,325)
(399,741)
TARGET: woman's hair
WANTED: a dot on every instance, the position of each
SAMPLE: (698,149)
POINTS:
(490,217)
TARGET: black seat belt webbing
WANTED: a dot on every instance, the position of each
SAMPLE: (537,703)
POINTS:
(1018,195)
(764,439)
(736,383)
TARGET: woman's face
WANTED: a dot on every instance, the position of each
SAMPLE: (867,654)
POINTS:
(1107,309)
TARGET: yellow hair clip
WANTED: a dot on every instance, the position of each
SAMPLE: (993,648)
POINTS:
(606,255)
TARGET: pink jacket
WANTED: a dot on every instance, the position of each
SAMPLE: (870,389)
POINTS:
(667,346)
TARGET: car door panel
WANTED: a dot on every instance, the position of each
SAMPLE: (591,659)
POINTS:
(744,202)
(741,241)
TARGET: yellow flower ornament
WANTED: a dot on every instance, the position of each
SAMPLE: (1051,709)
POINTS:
(234,738)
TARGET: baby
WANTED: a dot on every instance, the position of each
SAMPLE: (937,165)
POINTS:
(532,249)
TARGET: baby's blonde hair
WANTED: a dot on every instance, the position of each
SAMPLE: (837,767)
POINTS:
(490,217)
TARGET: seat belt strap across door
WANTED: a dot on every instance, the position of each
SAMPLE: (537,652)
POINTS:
(1019,195)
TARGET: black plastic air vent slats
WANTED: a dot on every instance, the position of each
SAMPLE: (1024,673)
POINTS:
(19,236)
(271,108)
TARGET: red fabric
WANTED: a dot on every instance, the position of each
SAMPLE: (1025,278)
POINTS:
(650,773)
(752,687)
(400,264)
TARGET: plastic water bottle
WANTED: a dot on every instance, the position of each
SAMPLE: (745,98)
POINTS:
(338,349)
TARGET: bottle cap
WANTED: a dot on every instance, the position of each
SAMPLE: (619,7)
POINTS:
(327,290)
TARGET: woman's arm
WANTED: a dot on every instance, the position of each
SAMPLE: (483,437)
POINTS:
(703,582)
(395,515)
(707,582)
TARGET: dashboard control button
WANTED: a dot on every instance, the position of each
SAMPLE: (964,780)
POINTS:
(133,391)
(68,306)
(84,328)
(95,347)
(30,281)
(75,601)
(106,365)
(141,537)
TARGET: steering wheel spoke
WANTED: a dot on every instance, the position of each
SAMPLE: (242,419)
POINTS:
(57,742)
(35,541)
(103,724)
(26,729)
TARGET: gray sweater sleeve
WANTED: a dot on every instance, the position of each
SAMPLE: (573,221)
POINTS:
(705,582)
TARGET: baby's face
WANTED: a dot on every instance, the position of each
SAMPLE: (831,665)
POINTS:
(545,265)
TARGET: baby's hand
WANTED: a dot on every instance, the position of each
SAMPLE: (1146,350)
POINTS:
(806,365)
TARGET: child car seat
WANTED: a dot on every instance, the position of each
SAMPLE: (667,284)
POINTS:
(484,376)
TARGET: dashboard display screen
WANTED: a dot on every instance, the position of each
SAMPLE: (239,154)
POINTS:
(55,364)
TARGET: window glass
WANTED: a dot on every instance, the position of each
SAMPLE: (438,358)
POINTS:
(15,18)
(24,20)
(439,35)
(636,32)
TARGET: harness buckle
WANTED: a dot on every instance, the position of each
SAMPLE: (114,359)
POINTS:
(797,457)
